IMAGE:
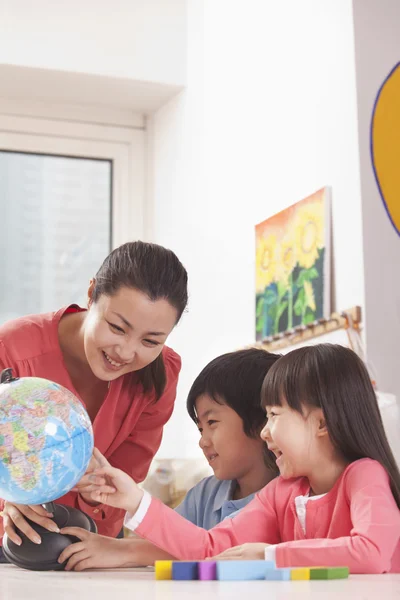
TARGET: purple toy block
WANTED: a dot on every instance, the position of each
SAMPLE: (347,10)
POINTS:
(207,570)
(185,571)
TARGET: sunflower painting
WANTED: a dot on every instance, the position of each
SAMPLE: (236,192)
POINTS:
(293,266)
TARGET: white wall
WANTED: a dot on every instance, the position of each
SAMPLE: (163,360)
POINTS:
(135,39)
(176,217)
(377,44)
(269,116)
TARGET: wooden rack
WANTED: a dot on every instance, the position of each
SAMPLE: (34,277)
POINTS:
(303,333)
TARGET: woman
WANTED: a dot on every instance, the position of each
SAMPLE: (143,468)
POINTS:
(113,357)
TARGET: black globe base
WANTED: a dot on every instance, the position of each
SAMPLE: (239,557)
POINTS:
(44,556)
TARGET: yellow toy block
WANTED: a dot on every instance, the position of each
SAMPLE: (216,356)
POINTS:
(300,574)
(163,569)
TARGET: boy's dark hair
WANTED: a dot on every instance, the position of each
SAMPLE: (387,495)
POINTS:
(335,379)
(236,379)
(158,273)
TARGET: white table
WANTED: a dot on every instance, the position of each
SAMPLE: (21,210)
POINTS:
(139,584)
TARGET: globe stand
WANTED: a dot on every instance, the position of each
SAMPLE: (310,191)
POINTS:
(44,556)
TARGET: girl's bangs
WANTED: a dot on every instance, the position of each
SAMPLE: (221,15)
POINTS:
(287,381)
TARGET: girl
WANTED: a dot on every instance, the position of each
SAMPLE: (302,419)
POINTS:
(113,357)
(224,402)
(338,497)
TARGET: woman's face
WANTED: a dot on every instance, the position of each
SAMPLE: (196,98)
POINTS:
(125,332)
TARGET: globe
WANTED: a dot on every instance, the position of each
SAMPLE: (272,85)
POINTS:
(46,440)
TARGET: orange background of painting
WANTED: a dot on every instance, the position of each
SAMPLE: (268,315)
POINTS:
(279,222)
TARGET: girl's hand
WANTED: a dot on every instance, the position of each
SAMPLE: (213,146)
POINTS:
(95,551)
(107,485)
(243,552)
(85,486)
(15,515)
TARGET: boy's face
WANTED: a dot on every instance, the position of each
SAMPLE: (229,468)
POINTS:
(230,452)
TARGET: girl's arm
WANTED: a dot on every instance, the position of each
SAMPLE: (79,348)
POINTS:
(166,529)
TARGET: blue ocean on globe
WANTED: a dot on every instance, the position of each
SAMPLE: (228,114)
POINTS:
(46,440)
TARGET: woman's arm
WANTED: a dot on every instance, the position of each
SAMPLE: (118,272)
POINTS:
(14,515)
(100,552)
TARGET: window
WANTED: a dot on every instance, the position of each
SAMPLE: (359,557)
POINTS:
(65,201)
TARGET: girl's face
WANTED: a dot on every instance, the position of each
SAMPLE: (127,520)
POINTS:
(294,439)
(125,332)
(230,452)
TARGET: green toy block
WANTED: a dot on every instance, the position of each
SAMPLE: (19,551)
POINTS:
(329,573)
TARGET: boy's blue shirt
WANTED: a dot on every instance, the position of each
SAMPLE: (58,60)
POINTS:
(210,502)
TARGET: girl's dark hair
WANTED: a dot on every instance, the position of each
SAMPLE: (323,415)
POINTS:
(335,379)
(235,379)
(158,273)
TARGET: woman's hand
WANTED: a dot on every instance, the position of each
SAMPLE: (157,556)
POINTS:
(107,485)
(96,551)
(243,552)
(15,515)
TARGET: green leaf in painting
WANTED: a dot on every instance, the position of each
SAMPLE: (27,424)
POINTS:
(259,307)
(282,288)
(259,324)
(306,275)
(312,273)
(299,304)
(270,296)
(272,311)
(309,318)
(281,308)
(301,278)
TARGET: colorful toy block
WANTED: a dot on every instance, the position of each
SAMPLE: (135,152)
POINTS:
(185,571)
(277,574)
(329,573)
(300,574)
(207,570)
(242,570)
(163,569)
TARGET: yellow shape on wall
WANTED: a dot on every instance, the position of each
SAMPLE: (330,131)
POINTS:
(385,144)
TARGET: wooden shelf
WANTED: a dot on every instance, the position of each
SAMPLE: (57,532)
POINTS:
(303,333)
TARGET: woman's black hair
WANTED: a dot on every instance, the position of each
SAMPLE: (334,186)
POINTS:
(158,273)
(335,379)
(235,379)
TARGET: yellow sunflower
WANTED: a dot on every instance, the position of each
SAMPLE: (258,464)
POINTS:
(287,258)
(309,295)
(266,256)
(309,233)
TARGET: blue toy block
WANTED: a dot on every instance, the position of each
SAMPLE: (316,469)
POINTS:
(185,571)
(277,574)
(243,570)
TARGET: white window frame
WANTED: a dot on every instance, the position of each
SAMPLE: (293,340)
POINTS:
(113,137)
